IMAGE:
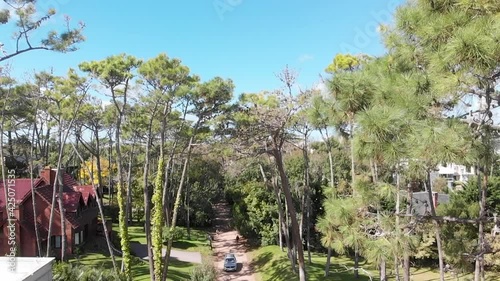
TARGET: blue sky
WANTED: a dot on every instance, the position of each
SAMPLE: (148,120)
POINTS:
(247,41)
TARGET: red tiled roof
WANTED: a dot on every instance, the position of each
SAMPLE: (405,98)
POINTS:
(50,176)
(71,201)
(46,192)
(68,180)
(21,187)
(86,190)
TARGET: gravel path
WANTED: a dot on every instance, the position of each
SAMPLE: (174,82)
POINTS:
(225,242)
(140,250)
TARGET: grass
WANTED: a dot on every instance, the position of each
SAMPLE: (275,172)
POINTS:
(270,263)
(196,243)
(178,270)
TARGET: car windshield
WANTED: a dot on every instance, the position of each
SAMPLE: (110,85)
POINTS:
(230,260)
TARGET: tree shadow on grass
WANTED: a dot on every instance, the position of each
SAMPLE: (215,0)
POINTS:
(98,262)
(338,272)
(178,271)
(183,245)
(279,268)
(261,260)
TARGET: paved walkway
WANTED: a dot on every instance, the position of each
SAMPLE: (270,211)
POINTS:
(140,250)
(225,242)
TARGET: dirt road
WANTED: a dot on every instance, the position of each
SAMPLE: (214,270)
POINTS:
(225,242)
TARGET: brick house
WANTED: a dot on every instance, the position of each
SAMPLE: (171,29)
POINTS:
(81,214)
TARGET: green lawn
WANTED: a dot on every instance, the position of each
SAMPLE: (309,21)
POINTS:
(178,270)
(272,264)
(196,243)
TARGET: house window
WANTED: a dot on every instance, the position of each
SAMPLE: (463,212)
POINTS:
(57,241)
(468,169)
(79,238)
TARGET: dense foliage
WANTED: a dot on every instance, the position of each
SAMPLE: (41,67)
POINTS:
(332,172)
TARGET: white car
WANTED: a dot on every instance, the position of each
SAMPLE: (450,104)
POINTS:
(230,263)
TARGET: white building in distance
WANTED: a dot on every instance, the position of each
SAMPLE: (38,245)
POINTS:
(453,173)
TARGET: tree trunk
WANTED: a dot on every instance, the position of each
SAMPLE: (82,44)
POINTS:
(406,255)
(59,179)
(62,142)
(383,271)
(186,203)
(33,195)
(479,267)
(332,185)
(284,223)
(280,230)
(293,214)
(356,263)
(307,198)
(121,192)
(169,170)
(353,162)
(166,189)
(157,218)
(286,226)
(147,204)
(308,225)
(110,174)
(177,204)
(283,229)
(98,162)
(332,173)
(398,206)
(302,214)
(101,212)
(353,182)
(396,267)
(10,144)
(54,191)
(47,147)
(328,262)
(129,185)
(437,228)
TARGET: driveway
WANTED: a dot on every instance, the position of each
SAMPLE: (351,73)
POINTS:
(225,242)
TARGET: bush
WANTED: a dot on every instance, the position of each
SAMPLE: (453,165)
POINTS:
(204,272)
(63,271)
(176,234)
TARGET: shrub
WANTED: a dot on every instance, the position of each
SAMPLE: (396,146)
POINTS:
(176,234)
(204,272)
(63,271)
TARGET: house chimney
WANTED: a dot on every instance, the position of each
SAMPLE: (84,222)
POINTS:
(435,199)
(48,175)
